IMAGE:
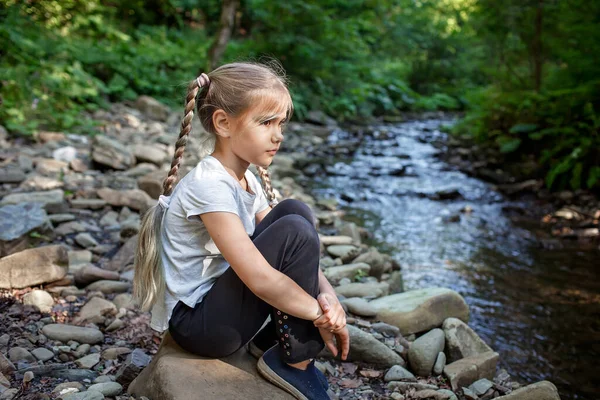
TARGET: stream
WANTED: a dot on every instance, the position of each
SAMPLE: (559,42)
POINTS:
(538,308)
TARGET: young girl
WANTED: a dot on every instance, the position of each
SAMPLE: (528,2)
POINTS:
(215,258)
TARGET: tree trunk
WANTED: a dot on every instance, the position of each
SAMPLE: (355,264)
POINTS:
(226,22)
(538,57)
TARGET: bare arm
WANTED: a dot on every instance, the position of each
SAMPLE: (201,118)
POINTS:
(262,214)
(230,237)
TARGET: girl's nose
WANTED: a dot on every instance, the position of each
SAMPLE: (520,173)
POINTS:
(278,137)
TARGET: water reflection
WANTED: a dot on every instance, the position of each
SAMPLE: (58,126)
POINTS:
(538,308)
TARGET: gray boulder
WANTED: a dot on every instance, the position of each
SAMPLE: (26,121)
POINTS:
(33,267)
(461,340)
(424,351)
(18,219)
(543,390)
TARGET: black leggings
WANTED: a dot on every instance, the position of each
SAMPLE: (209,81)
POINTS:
(230,314)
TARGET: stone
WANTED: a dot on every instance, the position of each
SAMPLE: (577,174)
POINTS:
(89,204)
(108,287)
(17,220)
(369,289)
(351,229)
(424,351)
(136,361)
(175,374)
(89,361)
(79,259)
(365,348)
(461,340)
(152,108)
(50,198)
(124,257)
(111,153)
(38,182)
(403,387)
(33,267)
(350,271)
(42,354)
(360,306)
(333,240)
(115,325)
(440,363)
(64,333)
(68,228)
(50,167)
(135,199)
(90,273)
(417,311)
(20,354)
(375,259)
(543,390)
(6,366)
(386,329)
(95,311)
(344,251)
(152,183)
(399,373)
(430,394)
(39,298)
(4,383)
(481,386)
(110,389)
(9,394)
(84,239)
(124,300)
(464,372)
(113,353)
(11,175)
(66,154)
(93,395)
(149,153)
(68,385)
(468,394)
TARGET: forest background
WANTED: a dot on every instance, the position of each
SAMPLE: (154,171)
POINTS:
(524,75)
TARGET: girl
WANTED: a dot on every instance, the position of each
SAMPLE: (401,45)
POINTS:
(215,258)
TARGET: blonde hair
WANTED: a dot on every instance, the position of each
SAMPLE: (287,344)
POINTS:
(233,88)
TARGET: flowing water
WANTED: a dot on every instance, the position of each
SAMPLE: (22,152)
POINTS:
(538,308)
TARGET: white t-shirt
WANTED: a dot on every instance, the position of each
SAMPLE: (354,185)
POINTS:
(190,259)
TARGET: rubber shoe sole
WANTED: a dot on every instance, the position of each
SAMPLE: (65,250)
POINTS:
(278,381)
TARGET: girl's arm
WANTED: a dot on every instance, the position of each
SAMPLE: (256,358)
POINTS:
(272,286)
(262,214)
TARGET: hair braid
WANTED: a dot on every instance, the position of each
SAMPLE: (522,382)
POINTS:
(186,128)
(266,181)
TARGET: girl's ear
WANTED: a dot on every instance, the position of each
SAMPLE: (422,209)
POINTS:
(222,123)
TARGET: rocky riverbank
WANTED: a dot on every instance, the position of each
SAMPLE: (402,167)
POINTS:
(70,209)
(560,219)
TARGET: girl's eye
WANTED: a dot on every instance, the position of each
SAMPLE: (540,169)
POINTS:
(267,123)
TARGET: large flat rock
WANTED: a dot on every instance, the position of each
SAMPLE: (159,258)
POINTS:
(175,374)
(421,310)
(464,372)
(33,267)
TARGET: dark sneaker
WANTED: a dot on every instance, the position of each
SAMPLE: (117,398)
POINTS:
(303,385)
(257,353)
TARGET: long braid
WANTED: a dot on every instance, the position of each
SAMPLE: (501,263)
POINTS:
(266,182)
(186,128)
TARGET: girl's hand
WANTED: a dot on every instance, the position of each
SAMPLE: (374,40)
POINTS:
(342,338)
(334,317)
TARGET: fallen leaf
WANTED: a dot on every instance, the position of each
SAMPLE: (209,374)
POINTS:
(370,373)
(350,383)
(349,368)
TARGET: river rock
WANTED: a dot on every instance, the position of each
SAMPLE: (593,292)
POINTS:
(33,267)
(399,373)
(149,153)
(110,153)
(93,395)
(18,219)
(368,289)
(364,347)
(543,390)
(38,182)
(78,386)
(375,259)
(344,251)
(124,257)
(420,310)
(135,198)
(109,287)
(481,386)
(95,311)
(424,351)
(86,240)
(151,183)
(16,354)
(335,240)
(9,394)
(461,340)
(42,354)
(124,300)
(440,363)
(464,372)
(152,108)
(335,274)
(65,154)
(89,361)
(90,273)
(6,366)
(41,299)
(11,175)
(359,306)
(64,333)
(113,353)
(90,204)
(50,198)
(110,389)
(175,374)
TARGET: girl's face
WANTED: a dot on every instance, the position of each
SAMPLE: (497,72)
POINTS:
(258,133)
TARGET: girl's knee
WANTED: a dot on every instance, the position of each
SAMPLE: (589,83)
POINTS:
(299,226)
(293,206)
